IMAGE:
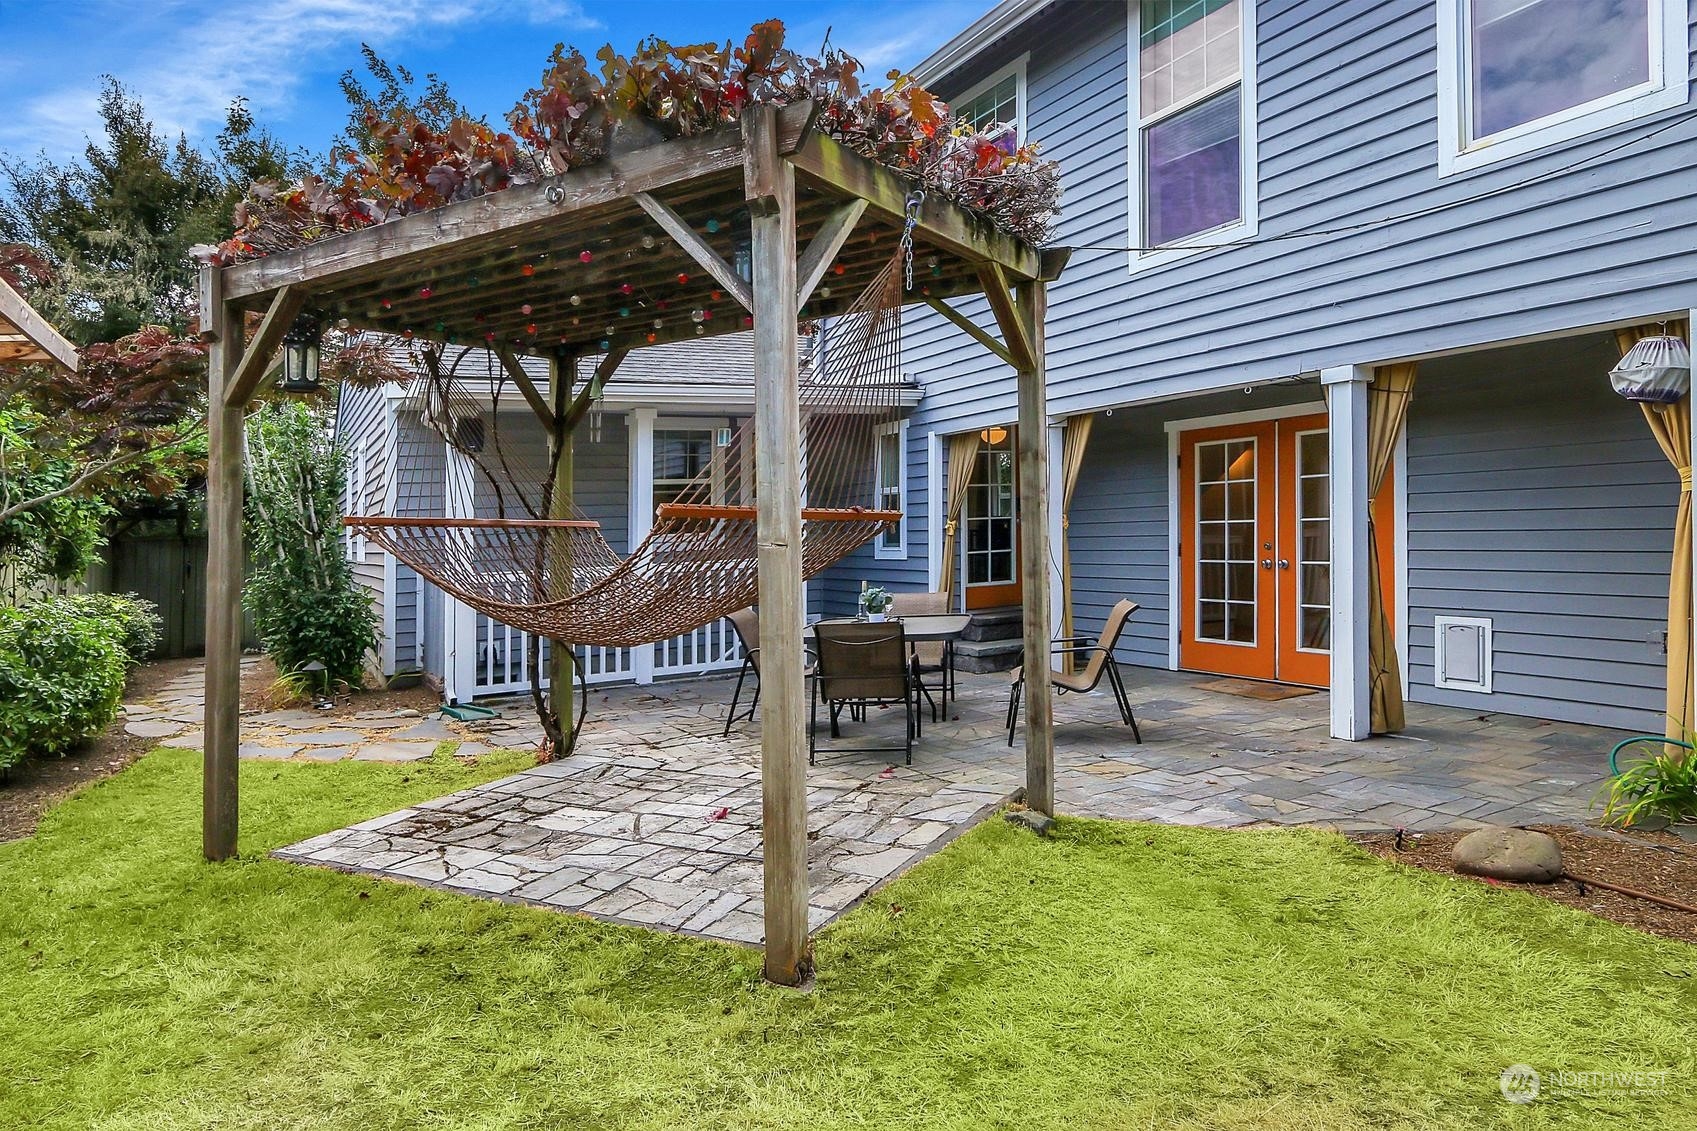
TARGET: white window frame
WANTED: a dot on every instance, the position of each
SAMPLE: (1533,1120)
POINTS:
(1667,87)
(1249,221)
(898,552)
(1015,68)
(708,424)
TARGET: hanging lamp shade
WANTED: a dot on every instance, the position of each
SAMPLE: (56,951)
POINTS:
(1656,370)
(300,356)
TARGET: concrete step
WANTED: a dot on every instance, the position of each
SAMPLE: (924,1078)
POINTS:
(994,624)
(988,655)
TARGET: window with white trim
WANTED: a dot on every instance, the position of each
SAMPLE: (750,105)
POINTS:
(997,101)
(1517,75)
(892,489)
(1193,124)
(680,455)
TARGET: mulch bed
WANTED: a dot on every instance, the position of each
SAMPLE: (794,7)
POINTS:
(259,694)
(1656,862)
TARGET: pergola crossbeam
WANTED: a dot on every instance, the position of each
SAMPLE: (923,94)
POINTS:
(244,383)
(972,329)
(697,249)
(1021,347)
(942,223)
(823,248)
(526,387)
(604,370)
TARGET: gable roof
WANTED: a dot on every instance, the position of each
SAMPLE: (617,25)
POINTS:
(978,37)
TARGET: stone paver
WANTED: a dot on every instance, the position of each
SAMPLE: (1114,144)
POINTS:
(655,820)
(175,715)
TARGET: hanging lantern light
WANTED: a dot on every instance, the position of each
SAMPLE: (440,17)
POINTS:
(300,356)
(1655,371)
(742,250)
(993,436)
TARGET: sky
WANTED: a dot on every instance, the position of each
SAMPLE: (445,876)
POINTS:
(188,59)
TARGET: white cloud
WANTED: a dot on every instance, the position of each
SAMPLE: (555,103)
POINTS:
(198,57)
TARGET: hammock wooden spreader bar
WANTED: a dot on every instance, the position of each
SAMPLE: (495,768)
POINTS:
(559,577)
(748,514)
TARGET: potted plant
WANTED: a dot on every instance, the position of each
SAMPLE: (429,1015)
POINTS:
(875,602)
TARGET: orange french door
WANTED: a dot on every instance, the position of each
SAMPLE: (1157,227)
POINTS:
(1227,527)
(1255,550)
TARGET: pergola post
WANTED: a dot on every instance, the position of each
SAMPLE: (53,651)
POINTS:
(221,323)
(562,671)
(1032,441)
(770,185)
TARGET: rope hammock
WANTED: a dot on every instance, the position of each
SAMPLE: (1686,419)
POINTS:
(529,561)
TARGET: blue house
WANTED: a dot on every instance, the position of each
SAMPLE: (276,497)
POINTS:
(1331,261)
(1288,214)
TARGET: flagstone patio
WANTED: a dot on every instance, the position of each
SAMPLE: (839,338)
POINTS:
(656,819)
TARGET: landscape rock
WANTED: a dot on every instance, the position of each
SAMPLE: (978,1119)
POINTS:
(1033,820)
(1516,855)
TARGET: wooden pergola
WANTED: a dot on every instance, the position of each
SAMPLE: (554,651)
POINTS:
(634,250)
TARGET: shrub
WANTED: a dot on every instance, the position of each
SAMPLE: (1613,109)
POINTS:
(136,620)
(61,676)
(305,602)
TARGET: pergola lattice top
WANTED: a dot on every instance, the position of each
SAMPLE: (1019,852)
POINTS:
(505,268)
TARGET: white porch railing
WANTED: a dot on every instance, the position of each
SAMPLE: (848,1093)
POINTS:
(711,648)
(501,657)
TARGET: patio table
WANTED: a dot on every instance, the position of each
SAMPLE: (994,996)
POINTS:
(917,627)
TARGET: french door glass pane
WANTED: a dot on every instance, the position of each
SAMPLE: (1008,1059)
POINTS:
(1193,169)
(1533,58)
(1225,539)
(1313,542)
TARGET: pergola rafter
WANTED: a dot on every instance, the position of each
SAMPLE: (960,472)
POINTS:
(561,269)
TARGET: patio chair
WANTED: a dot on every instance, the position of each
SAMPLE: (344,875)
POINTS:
(862,664)
(746,622)
(930,657)
(1100,662)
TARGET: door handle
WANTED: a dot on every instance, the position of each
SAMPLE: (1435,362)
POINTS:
(1284,563)
(1266,563)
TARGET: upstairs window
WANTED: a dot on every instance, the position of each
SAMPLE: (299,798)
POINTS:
(1516,75)
(997,101)
(1193,153)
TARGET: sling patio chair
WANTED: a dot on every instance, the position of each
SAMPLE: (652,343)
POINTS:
(1101,661)
(862,664)
(930,657)
(746,622)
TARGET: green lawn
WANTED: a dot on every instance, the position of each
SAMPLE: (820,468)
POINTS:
(1122,976)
